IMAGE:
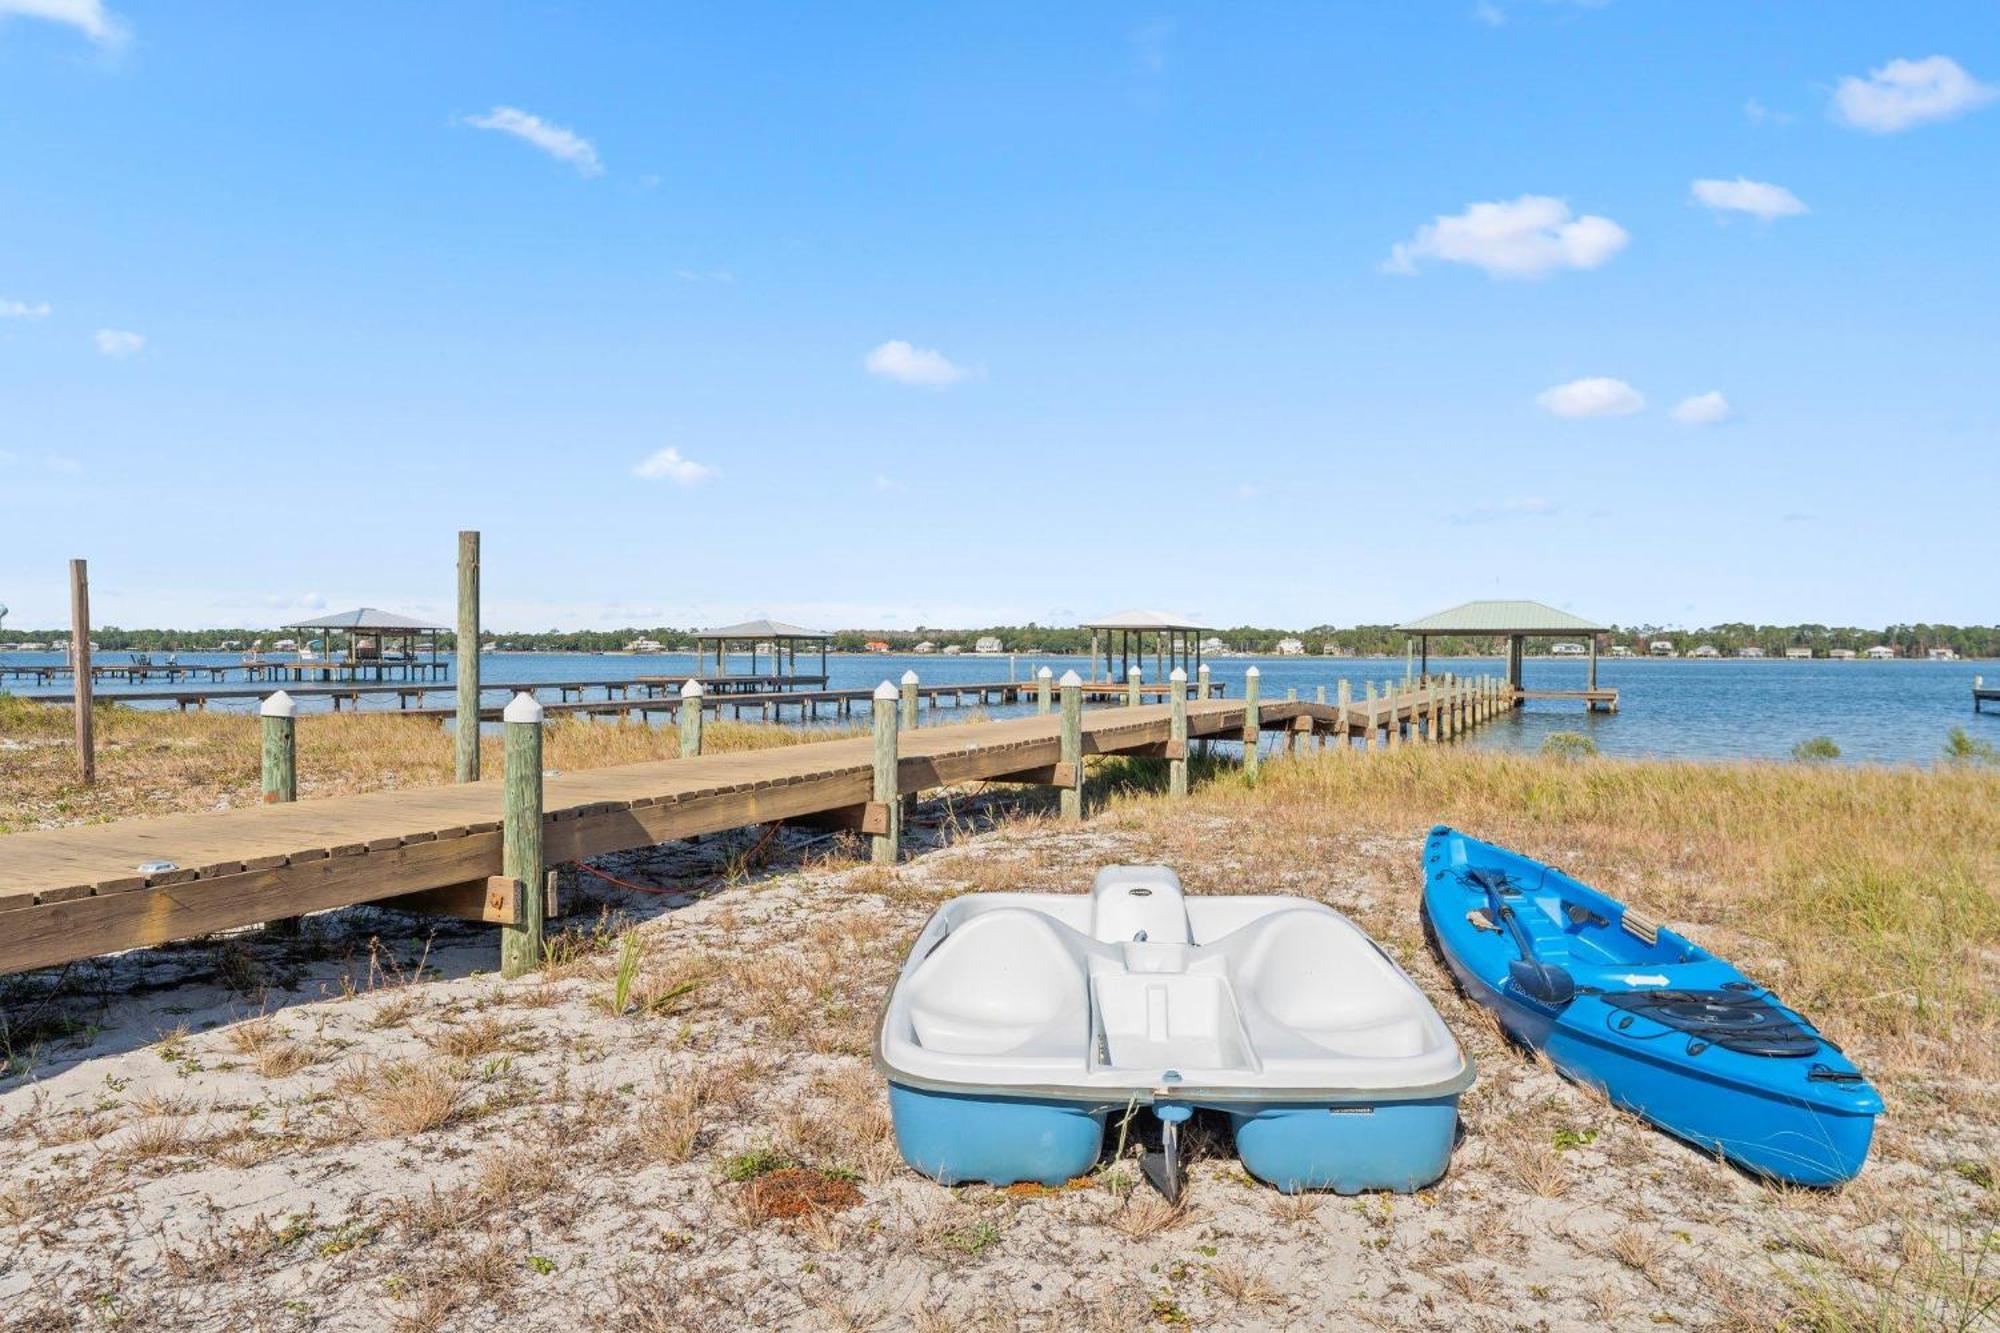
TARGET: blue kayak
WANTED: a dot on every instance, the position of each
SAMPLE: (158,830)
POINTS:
(1658,1024)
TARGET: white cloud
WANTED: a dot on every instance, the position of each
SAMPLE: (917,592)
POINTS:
(22,309)
(1597,396)
(899,361)
(1760,199)
(1757,113)
(888,485)
(1906,93)
(1704,409)
(559,143)
(1526,506)
(69,467)
(119,342)
(1248,491)
(1152,45)
(88,17)
(1527,237)
(668,465)
(1489,13)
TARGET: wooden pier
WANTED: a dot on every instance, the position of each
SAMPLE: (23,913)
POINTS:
(74,893)
(1983,694)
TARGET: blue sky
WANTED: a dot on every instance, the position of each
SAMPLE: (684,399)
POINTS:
(962,314)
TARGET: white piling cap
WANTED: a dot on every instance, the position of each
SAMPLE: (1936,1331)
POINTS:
(885,691)
(279,705)
(1045,673)
(1133,671)
(909,678)
(1070,678)
(523,707)
(691,688)
(1253,671)
(1178,675)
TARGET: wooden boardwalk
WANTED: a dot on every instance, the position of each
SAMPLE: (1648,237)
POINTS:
(78,892)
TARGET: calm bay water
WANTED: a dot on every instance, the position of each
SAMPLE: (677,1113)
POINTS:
(1885,712)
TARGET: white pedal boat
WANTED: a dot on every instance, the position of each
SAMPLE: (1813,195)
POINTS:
(1022,1022)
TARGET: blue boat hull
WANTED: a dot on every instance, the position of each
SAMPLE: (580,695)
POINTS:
(1348,1148)
(1803,1120)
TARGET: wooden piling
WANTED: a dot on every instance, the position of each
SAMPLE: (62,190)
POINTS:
(884,818)
(1368,726)
(1253,731)
(689,717)
(1343,696)
(910,699)
(1177,735)
(1132,675)
(1201,681)
(79,660)
(1044,686)
(467,739)
(281,732)
(1069,773)
(1395,698)
(521,836)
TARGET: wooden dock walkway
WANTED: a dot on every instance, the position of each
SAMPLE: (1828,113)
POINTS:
(74,893)
(1983,694)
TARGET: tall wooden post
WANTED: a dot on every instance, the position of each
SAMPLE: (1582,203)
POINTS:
(281,765)
(1319,695)
(1044,686)
(521,835)
(1592,682)
(1368,697)
(79,660)
(468,657)
(1343,697)
(689,717)
(1201,681)
(1253,728)
(1395,698)
(886,809)
(1071,773)
(1177,734)
(910,700)
(1132,674)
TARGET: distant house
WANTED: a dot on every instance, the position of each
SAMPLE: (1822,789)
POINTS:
(645,645)
(1331,649)
(1881,652)
(1212,645)
(987,643)
(1568,650)
(1706,650)
(1620,650)
(925,647)
(1751,651)
(285,645)
(953,649)
(1841,654)
(1291,648)
(1661,648)
(1942,655)
(875,646)
(1798,654)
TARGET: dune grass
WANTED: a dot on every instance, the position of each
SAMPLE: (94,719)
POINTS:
(152,762)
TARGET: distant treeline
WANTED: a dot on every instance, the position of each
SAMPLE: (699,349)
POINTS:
(1359,640)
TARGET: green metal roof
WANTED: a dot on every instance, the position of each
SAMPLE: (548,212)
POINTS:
(1503,618)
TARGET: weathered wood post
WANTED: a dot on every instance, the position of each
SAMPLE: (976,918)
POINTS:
(521,835)
(1319,695)
(689,716)
(1368,725)
(910,699)
(1201,681)
(281,735)
(79,660)
(467,739)
(1253,730)
(1291,732)
(885,811)
(1177,735)
(1069,773)
(1132,674)
(1343,697)
(1395,698)
(1044,684)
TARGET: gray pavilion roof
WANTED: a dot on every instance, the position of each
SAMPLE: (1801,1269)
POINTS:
(761,629)
(1516,617)
(1144,620)
(364,619)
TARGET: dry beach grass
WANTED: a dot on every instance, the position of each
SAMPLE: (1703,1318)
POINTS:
(676,1125)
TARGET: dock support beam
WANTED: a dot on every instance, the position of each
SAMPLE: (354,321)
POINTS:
(1044,683)
(689,717)
(885,810)
(1201,681)
(1132,674)
(467,739)
(281,735)
(1343,696)
(521,836)
(1069,773)
(1177,734)
(1252,723)
(910,700)
(79,661)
